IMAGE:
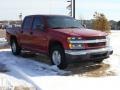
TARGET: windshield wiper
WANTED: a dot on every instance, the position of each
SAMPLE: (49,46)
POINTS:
(73,27)
(63,27)
(57,27)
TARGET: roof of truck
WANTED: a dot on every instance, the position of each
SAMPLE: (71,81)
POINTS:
(47,15)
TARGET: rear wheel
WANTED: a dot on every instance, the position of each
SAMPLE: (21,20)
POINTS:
(57,56)
(16,50)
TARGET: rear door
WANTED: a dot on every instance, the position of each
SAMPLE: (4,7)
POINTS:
(39,36)
(25,33)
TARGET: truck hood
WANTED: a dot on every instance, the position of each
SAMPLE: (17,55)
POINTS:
(81,32)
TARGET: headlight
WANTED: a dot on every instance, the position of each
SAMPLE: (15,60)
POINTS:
(73,39)
(73,43)
(107,40)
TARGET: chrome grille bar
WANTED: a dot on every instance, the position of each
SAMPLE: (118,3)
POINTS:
(89,41)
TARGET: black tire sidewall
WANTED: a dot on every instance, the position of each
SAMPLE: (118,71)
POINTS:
(18,50)
(98,61)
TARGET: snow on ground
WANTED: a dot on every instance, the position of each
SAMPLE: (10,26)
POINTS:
(27,69)
(2,41)
(46,77)
(29,66)
(9,81)
(78,83)
(114,59)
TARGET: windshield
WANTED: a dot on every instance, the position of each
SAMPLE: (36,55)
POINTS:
(63,22)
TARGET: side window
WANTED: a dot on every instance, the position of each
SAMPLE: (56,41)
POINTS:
(38,23)
(27,23)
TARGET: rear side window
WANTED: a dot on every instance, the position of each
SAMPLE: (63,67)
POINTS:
(27,23)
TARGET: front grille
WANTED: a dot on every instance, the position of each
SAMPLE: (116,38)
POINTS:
(96,37)
(96,44)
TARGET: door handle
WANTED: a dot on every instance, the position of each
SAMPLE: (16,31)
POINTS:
(31,33)
(21,31)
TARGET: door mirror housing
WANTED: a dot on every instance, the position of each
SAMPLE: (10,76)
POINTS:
(84,25)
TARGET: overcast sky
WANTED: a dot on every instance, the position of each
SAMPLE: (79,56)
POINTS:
(10,9)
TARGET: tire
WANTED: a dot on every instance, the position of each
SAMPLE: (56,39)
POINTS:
(57,56)
(16,50)
(98,61)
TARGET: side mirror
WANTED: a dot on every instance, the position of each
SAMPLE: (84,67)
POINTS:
(84,25)
(40,27)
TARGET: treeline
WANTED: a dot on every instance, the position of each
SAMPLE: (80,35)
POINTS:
(115,25)
(100,22)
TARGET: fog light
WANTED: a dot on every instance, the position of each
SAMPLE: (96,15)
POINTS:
(76,46)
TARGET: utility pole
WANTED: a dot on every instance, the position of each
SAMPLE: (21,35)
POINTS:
(71,7)
(20,17)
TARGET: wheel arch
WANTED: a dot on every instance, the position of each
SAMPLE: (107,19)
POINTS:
(54,43)
(12,37)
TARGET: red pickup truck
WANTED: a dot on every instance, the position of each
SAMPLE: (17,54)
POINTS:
(61,37)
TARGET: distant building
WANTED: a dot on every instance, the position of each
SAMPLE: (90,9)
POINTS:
(12,23)
(113,25)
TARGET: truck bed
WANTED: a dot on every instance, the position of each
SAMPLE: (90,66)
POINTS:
(13,31)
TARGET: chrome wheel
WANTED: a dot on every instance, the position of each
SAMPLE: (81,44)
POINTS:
(13,46)
(56,57)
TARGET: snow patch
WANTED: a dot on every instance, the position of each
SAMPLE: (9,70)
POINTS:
(3,42)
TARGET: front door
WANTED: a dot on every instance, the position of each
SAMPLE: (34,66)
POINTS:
(39,36)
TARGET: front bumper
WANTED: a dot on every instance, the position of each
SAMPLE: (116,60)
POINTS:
(92,54)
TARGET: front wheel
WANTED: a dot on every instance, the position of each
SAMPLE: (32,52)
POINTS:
(57,56)
(98,61)
(15,47)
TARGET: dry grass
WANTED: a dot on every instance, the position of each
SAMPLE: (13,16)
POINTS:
(23,88)
(2,33)
(4,47)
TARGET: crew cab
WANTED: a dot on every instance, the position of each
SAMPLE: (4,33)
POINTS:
(60,37)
